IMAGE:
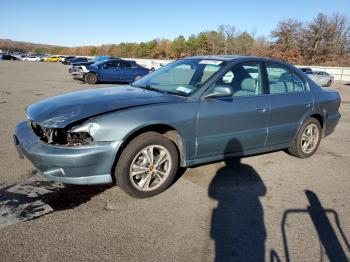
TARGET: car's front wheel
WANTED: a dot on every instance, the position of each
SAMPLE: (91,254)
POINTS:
(307,140)
(90,78)
(147,166)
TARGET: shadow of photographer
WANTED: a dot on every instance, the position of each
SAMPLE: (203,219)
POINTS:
(237,224)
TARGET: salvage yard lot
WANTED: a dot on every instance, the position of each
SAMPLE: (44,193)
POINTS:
(262,207)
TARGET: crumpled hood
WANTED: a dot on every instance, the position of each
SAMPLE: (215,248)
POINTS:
(60,111)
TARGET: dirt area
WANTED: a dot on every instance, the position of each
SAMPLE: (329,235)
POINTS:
(271,207)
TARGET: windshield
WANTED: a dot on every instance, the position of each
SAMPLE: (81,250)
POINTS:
(96,63)
(182,77)
(99,59)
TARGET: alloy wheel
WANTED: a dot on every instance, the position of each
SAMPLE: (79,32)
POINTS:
(309,139)
(150,168)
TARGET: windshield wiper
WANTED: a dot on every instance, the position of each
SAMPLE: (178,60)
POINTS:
(149,87)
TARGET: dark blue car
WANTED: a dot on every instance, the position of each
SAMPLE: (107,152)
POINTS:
(75,66)
(77,60)
(113,70)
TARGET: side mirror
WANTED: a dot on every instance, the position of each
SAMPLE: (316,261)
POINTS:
(220,91)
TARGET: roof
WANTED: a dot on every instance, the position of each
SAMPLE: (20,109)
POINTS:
(228,58)
(216,57)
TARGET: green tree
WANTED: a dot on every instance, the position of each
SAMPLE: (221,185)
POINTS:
(178,48)
(244,44)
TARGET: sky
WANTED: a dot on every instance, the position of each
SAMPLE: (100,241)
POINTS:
(85,22)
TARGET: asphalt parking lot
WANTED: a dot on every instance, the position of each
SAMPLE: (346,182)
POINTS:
(271,207)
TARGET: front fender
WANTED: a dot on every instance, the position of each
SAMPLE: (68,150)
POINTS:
(121,124)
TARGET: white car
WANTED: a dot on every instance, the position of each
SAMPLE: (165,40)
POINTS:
(32,59)
(321,78)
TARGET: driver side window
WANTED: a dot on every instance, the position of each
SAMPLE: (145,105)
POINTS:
(109,64)
(244,79)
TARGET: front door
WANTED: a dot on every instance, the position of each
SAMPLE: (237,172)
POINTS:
(238,123)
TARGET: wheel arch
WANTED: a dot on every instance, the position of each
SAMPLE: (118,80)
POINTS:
(315,115)
(93,72)
(164,129)
(318,117)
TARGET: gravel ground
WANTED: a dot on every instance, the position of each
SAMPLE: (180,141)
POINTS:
(271,207)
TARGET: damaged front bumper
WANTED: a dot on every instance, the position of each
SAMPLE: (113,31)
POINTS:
(82,165)
(79,75)
(78,72)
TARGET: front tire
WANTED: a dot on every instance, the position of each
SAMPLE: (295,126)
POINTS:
(307,140)
(90,78)
(147,166)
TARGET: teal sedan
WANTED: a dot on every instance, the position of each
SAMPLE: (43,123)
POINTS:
(189,112)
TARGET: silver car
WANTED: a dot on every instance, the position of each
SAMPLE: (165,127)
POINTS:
(321,78)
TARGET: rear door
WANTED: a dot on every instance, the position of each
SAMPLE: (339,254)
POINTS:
(290,102)
(124,71)
(234,124)
(108,71)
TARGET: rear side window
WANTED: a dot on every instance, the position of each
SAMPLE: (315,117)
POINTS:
(125,64)
(282,80)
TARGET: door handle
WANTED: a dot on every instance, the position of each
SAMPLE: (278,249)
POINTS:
(262,109)
(307,104)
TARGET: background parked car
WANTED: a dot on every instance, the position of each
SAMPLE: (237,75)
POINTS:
(306,69)
(65,60)
(321,78)
(44,58)
(54,59)
(75,66)
(32,58)
(77,60)
(9,57)
(114,70)
(22,56)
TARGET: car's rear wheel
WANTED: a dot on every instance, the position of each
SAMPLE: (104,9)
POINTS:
(147,166)
(329,83)
(137,77)
(307,140)
(90,78)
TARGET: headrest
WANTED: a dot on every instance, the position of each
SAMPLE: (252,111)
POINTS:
(248,84)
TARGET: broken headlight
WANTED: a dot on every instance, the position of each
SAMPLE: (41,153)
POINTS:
(59,136)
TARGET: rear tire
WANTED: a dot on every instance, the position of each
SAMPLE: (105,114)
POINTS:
(90,78)
(329,83)
(307,140)
(147,166)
